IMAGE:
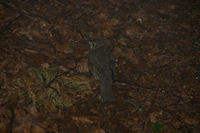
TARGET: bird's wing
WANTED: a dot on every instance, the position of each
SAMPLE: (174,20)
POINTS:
(112,66)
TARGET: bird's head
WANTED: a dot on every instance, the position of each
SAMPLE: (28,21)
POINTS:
(96,43)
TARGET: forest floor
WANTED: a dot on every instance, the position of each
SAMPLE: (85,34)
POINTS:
(44,82)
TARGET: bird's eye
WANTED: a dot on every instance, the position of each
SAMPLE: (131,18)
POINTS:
(93,44)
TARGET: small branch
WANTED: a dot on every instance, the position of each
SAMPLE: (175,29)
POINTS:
(134,84)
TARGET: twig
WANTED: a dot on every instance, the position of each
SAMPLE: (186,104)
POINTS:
(134,84)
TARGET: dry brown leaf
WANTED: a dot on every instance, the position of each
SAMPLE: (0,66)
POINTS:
(37,129)
(117,52)
(4,63)
(32,109)
(82,119)
(24,127)
(123,41)
(131,56)
(99,131)
(68,50)
(31,51)
(62,68)
(115,21)
(191,121)
(153,58)
(82,66)
(177,124)
(153,117)
(45,65)
(70,64)
(3,128)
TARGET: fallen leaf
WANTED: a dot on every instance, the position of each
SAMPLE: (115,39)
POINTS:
(99,131)
(82,119)
(153,117)
(45,65)
(24,127)
(191,121)
(37,129)
(31,51)
(82,66)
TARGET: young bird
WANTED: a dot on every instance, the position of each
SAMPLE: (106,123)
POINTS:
(101,66)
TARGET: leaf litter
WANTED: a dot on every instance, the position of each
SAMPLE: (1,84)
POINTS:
(44,81)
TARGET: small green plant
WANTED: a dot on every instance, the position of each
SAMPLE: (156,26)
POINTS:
(157,127)
(37,72)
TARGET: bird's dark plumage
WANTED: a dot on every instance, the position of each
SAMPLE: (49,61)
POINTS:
(101,66)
